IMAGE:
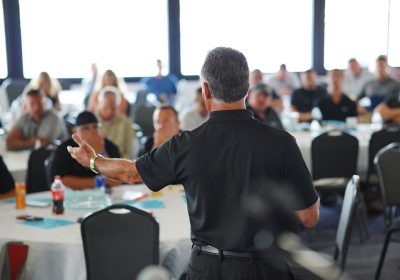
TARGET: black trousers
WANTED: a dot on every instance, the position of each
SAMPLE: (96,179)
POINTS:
(208,266)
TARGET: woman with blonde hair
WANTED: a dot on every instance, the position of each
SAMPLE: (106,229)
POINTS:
(109,79)
(48,87)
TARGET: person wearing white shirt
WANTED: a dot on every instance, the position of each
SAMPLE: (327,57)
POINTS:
(197,116)
(355,79)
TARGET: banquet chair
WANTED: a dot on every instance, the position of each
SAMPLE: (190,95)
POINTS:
(378,140)
(118,242)
(334,156)
(387,162)
(37,179)
(349,210)
(12,261)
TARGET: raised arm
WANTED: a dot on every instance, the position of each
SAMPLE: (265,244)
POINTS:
(119,169)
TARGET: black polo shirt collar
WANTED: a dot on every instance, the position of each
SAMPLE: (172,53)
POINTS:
(230,115)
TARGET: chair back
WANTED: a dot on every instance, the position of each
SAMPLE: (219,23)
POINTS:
(387,162)
(37,179)
(346,218)
(334,155)
(119,241)
(378,140)
(144,118)
(13,259)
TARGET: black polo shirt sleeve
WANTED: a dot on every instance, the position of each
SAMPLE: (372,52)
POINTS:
(297,178)
(62,161)
(157,168)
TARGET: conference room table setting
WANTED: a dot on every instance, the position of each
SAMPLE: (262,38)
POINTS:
(55,243)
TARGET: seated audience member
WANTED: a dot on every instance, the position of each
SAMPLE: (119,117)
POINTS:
(283,82)
(389,109)
(72,173)
(166,124)
(116,128)
(198,115)
(37,124)
(48,87)
(355,78)
(162,86)
(109,79)
(337,106)
(307,97)
(255,78)
(259,101)
(7,183)
(380,88)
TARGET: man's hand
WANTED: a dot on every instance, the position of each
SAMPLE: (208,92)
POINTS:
(83,153)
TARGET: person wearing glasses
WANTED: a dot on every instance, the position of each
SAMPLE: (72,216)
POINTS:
(72,174)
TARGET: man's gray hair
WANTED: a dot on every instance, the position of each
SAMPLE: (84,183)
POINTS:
(227,74)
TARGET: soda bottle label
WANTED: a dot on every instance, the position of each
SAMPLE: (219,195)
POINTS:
(58,195)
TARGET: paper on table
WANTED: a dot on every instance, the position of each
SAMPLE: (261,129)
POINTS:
(47,223)
(37,199)
(147,204)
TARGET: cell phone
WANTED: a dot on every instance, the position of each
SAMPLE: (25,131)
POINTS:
(29,218)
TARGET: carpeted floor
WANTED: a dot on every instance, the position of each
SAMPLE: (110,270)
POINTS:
(363,257)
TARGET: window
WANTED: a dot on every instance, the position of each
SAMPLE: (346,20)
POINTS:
(394,31)
(268,32)
(64,37)
(359,29)
(3,53)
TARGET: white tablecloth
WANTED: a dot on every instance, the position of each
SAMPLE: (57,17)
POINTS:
(363,134)
(58,253)
(17,163)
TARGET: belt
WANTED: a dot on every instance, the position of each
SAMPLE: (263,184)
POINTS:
(214,251)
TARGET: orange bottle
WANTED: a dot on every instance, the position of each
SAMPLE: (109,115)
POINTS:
(20,194)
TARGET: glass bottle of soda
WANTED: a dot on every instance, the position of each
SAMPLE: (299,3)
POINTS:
(57,193)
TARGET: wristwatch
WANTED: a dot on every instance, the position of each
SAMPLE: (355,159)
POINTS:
(91,163)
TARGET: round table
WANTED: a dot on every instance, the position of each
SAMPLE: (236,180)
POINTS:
(57,253)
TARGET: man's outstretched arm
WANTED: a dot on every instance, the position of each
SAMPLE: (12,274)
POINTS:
(119,169)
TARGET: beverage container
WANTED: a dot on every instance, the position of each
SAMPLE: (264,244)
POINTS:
(57,193)
(20,194)
(100,183)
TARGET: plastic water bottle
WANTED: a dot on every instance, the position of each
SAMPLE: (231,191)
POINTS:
(57,193)
(100,183)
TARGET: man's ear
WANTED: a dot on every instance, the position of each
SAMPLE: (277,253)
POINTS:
(74,130)
(207,97)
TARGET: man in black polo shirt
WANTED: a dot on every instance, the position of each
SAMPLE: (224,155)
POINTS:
(259,102)
(337,106)
(73,174)
(220,164)
(307,97)
(390,109)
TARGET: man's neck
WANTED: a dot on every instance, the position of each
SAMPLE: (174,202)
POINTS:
(219,106)
(336,96)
